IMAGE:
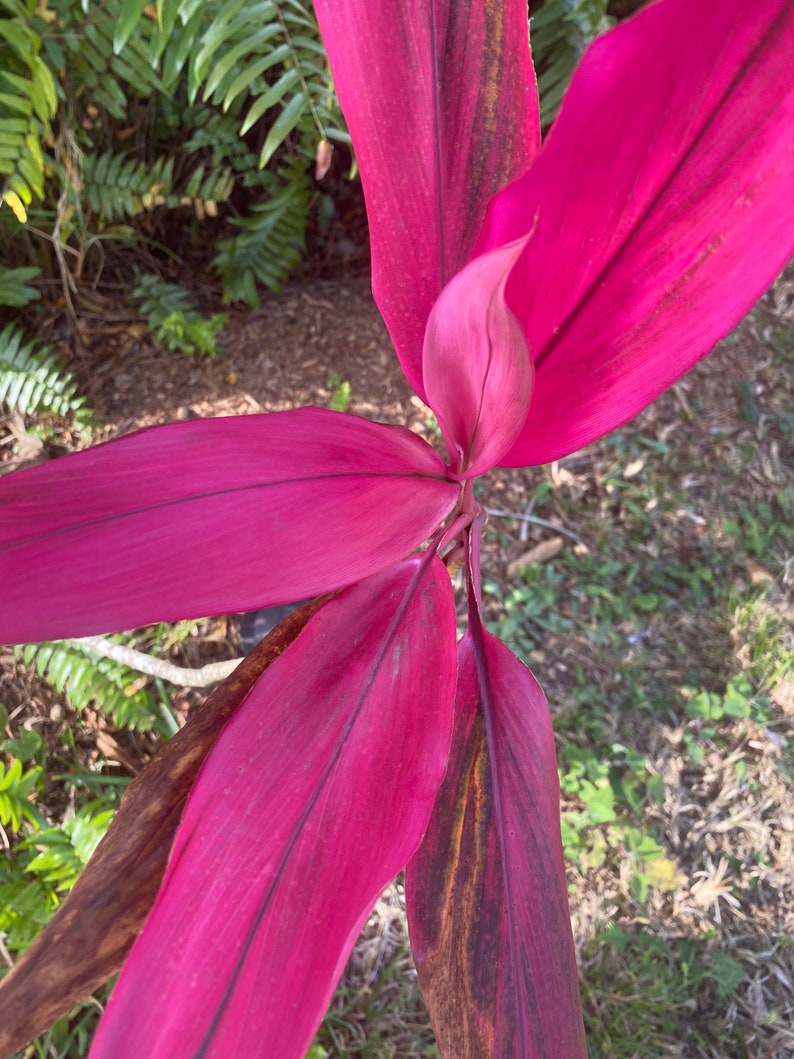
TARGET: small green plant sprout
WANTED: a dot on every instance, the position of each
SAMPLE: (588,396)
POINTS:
(340,392)
(738,702)
(174,320)
(16,787)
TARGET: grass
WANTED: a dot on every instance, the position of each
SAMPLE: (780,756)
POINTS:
(663,633)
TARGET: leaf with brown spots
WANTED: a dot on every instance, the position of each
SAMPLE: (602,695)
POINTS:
(486,892)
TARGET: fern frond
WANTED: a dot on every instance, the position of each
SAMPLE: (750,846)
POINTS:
(159,299)
(27,103)
(14,289)
(208,184)
(218,136)
(63,851)
(117,187)
(32,380)
(560,30)
(271,241)
(174,319)
(118,691)
(269,56)
(84,47)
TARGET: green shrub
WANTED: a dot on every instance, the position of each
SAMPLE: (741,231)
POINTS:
(115,113)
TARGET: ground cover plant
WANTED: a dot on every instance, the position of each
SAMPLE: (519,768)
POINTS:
(482,428)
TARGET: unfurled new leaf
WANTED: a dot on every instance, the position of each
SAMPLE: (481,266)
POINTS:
(476,365)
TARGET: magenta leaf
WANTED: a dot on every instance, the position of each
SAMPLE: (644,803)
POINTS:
(209,517)
(662,208)
(486,891)
(477,368)
(314,797)
(441,103)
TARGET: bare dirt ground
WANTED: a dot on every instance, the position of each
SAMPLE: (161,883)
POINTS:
(720,823)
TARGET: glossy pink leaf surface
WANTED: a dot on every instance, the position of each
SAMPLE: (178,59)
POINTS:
(486,891)
(441,103)
(315,795)
(477,368)
(209,517)
(662,208)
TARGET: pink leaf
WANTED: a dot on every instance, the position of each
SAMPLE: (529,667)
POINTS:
(441,103)
(477,368)
(210,517)
(486,891)
(315,795)
(663,207)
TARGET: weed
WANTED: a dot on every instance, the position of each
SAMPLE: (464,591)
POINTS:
(340,392)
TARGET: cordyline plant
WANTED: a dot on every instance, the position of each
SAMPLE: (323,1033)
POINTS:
(537,297)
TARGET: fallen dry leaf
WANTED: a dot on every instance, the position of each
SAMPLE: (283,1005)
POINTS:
(541,553)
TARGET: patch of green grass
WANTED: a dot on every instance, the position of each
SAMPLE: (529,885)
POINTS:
(763,630)
(640,994)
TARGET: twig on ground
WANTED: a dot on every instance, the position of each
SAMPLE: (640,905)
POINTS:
(536,521)
(156,667)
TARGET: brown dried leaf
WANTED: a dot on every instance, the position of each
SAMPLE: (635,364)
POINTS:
(541,553)
(322,162)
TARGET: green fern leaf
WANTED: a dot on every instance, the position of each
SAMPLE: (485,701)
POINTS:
(130,14)
(117,187)
(33,381)
(280,66)
(271,242)
(14,289)
(219,134)
(240,58)
(282,127)
(560,31)
(117,690)
(173,318)
(27,104)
